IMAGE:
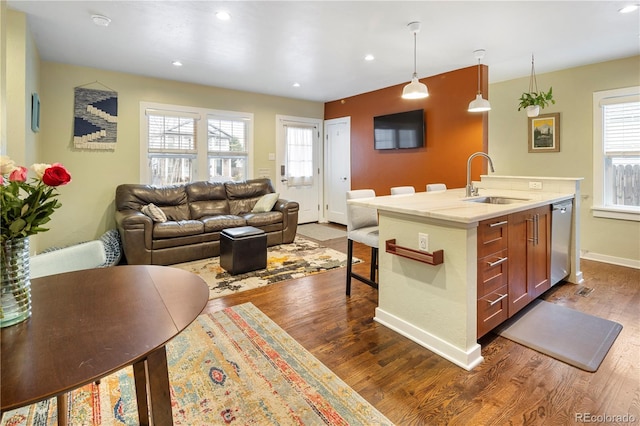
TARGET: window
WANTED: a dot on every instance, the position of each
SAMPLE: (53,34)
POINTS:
(299,154)
(616,155)
(182,144)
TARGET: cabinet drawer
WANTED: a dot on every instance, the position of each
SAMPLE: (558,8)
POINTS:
(492,235)
(493,272)
(492,310)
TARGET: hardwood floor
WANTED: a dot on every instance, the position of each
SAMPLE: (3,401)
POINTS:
(413,386)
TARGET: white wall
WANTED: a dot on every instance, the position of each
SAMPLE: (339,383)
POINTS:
(610,239)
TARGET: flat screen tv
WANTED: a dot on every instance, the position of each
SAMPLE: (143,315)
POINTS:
(398,131)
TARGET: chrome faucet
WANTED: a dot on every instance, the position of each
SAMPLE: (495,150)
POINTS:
(471,191)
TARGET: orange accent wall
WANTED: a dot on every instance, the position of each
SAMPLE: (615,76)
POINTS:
(452,134)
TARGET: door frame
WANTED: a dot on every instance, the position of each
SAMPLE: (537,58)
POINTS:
(347,120)
(317,153)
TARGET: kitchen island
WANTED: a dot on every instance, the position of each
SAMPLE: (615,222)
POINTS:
(436,305)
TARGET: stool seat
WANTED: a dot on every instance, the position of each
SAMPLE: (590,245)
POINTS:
(243,249)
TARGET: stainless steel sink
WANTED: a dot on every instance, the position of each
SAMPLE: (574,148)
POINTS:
(496,200)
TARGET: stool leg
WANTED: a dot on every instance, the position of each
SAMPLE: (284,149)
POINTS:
(374,263)
(349,264)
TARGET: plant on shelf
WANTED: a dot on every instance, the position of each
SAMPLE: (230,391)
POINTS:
(533,100)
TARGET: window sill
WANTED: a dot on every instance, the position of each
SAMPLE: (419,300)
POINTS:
(622,213)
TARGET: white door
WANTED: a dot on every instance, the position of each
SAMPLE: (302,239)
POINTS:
(298,175)
(337,168)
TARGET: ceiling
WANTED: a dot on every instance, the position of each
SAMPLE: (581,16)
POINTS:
(267,46)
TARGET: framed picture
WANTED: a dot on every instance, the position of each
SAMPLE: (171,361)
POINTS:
(544,133)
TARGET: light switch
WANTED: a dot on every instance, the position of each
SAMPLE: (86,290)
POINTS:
(272,156)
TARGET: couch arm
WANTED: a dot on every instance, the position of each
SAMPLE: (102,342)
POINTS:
(136,234)
(289,211)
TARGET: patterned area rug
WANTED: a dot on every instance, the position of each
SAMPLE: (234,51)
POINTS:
(232,367)
(284,262)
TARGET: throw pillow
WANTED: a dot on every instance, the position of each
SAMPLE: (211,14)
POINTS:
(154,212)
(266,203)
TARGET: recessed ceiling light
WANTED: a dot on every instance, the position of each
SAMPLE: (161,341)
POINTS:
(101,20)
(369,57)
(628,9)
(176,63)
(223,15)
(296,84)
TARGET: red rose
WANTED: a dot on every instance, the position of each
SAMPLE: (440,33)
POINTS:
(56,175)
(19,174)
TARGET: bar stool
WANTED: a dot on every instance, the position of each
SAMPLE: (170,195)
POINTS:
(436,187)
(397,190)
(362,226)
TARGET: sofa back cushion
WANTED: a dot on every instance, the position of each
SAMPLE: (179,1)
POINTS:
(172,199)
(244,195)
(207,199)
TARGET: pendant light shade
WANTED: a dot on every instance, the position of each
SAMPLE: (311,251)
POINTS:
(479,104)
(415,89)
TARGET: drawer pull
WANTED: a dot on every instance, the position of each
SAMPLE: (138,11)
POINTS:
(502,296)
(493,225)
(497,262)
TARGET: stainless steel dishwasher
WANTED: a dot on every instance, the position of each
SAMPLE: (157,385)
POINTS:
(561,215)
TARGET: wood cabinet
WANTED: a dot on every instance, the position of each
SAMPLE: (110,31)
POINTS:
(514,254)
(529,256)
(493,267)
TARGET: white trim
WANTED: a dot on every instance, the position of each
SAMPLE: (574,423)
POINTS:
(465,359)
(622,213)
(604,258)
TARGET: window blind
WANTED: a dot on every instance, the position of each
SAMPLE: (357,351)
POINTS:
(621,128)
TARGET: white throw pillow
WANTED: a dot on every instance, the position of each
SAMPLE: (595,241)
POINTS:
(266,203)
(154,212)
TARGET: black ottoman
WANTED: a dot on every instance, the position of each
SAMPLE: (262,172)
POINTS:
(243,249)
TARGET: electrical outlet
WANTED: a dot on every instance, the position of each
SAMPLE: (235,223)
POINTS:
(423,242)
(535,185)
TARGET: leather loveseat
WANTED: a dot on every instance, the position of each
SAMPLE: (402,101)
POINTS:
(195,214)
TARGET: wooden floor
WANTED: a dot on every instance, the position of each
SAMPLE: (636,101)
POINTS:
(413,386)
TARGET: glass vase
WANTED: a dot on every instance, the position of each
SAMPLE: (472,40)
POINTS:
(15,290)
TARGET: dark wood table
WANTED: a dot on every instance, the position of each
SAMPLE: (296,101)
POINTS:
(89,324)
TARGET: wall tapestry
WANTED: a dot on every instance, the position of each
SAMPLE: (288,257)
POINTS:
(95,118)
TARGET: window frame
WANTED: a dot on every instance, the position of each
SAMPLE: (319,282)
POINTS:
(599,207)
(201,116)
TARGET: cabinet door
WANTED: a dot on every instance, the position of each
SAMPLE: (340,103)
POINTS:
(529,256)
(519,229)
(539,252)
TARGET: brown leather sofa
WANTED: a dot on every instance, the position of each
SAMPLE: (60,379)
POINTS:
(196,213)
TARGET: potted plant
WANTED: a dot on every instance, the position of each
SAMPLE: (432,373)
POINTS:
(533,100)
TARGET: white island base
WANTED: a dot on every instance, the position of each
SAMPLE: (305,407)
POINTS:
(436,305)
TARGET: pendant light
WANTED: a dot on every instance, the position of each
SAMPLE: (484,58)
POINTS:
(415,89)
(479,104)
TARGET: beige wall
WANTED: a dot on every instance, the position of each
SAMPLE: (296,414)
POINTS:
(87,202)
(573,89)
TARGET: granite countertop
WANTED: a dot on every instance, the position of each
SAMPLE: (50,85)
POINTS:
(450,205)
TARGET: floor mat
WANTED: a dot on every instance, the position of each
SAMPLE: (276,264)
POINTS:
(571,336)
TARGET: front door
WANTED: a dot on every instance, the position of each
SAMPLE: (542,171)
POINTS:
(298,176)
(337,168)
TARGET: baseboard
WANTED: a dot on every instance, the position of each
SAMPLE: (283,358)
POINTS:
(465,359)
(620,261)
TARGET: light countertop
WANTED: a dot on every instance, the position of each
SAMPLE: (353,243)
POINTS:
(450,206)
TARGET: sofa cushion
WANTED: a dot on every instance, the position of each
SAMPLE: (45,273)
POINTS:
(207,199)
(220,222)
(172,229)
(262,219)
(154,212)
(265,203)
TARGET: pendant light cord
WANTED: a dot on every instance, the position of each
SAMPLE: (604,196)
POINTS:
(479,92)
(415,54)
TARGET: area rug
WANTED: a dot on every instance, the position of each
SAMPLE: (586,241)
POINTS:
(284,262)
(320,232)
(571,336)
(232,367)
